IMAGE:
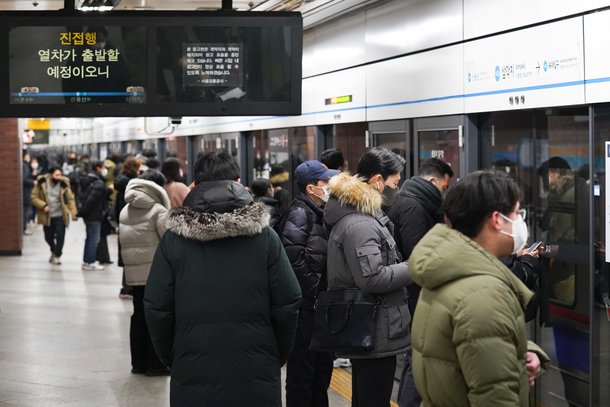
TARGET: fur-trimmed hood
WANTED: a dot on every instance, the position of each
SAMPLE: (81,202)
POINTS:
(349,193)
(206,226)
(218,210)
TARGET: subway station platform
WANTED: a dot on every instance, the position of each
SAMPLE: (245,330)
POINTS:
(64,333)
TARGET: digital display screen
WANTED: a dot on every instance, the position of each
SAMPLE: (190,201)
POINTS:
(224,66)
(69,65)
(141,63)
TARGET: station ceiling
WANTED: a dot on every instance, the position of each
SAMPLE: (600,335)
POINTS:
(313,11)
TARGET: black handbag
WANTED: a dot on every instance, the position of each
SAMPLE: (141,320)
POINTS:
(344,321)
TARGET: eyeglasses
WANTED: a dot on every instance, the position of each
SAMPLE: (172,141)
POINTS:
(522,212)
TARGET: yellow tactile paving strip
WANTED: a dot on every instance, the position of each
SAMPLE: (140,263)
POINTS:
(341,383)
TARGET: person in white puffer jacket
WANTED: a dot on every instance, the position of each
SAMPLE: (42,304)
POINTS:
(141,226)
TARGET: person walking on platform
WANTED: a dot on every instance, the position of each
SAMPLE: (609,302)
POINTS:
(93,198)
(175,188)
(129,170)
(28,185)
(55,203)
(221,299)
(141,225)
(470,343)
(416,210)
(305,239)
(362,255)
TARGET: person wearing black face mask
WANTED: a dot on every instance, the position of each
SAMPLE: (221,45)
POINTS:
(362,255)
(54,200)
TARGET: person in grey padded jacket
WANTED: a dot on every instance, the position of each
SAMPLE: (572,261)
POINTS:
(362,254)
(141,226)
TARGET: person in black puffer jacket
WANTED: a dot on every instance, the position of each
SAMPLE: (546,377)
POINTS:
(305,239)
(93,207)
(416,211)
(221,300)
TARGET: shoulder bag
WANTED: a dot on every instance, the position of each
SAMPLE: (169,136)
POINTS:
(344,321)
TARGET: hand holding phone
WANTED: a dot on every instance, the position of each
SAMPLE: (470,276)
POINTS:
(534,247)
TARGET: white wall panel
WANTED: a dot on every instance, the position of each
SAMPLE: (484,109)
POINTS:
(544,65)
(401,27)
(417,85)
(597,57)
(348,82)
(339,44)
(309,62)
(483,17)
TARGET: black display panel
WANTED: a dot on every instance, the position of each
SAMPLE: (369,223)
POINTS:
(150,64)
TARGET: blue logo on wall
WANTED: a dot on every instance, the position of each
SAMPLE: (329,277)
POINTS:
(497,73)
(546,66)
(469,77)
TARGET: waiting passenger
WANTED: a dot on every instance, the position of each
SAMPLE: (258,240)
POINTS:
(221,300)
(416,211)
(333,159)
(305,239)
(54,200)
(469,338)
(129,170)
(262,190)
(93,207)
(141,226)
(175,188)
(362,255)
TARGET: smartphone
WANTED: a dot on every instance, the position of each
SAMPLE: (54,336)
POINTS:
(534,247)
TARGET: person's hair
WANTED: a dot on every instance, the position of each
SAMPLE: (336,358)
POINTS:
(154,176)
(216,166)
(96,164)
(131,166)
(171,169)
(153,163)
(472,200)
(24,153)
(54,168)
(433,167)
(332,158)
(303,187)
(260,186)
(379,160)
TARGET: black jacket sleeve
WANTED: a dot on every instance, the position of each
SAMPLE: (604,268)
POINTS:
(411,223)
(295,236)
(159,303)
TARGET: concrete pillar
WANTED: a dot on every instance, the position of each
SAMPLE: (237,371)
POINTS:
(11,200)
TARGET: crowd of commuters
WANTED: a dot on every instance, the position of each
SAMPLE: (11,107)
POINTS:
(223,276)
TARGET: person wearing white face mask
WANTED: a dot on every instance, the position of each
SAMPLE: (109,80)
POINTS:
(305,239)
(469,328)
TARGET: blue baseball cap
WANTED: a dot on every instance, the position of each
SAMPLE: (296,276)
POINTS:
(312,170)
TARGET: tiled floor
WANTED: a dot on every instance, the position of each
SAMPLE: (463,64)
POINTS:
(64,333)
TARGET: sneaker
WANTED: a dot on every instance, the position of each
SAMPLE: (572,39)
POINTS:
(55,260)
(340,362)
(91,266)
(125,294)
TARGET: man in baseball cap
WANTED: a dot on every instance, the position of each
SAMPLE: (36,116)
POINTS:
(305,239)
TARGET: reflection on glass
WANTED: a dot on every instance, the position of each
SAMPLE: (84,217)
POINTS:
(441,144)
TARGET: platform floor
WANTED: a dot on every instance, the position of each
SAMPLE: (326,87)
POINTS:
(64,332)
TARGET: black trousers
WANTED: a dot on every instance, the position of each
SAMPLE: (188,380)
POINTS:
(308,373)
(372,381)
(54,235)
(143,355)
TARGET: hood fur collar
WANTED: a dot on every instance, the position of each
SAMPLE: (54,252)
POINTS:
(206,226)
(352,190)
